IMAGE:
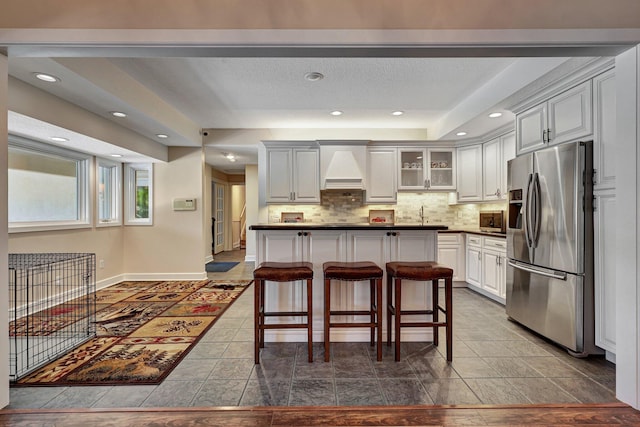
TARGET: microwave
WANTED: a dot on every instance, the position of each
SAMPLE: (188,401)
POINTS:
(493,221)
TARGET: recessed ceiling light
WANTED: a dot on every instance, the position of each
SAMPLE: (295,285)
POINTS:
(162,135)
(59,139)
(397,113)
(46,77)
(116,155)
(314,76)
(118,114)
(494,115)
(461,133)
(336,113)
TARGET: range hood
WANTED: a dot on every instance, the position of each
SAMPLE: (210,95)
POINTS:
(343,172)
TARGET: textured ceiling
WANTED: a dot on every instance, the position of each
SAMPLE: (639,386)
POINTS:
(181,96)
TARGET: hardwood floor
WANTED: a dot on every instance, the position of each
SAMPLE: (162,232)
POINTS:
(609,414)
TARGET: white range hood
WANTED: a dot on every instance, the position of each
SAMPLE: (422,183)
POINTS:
(343,172)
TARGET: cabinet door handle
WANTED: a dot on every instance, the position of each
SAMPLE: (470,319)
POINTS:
(294,196)
(548,135)
(479,256)
(394,234)
(388,233)
(428,183)
(305,234)
(299,233)
(425,183)
(544,135)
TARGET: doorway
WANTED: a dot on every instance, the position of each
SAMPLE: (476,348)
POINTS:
(218,219)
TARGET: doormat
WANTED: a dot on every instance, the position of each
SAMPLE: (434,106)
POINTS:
(144,329)
(219,267)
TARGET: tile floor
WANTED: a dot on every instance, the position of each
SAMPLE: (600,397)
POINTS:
(495,362)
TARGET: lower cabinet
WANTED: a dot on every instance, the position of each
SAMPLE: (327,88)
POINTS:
(474,260)
(487,266)
(604,218)
(494,267)
(451,253)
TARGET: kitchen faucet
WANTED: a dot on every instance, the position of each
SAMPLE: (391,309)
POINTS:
(421,214)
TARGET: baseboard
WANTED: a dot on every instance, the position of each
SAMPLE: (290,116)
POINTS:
(101,284)
(486,294)
(208,258)
(250,258)
(165,276)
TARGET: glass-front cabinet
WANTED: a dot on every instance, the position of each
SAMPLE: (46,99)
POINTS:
(426,169)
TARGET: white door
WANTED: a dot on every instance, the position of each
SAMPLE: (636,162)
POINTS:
(218,214)
(491,170)
(469,171)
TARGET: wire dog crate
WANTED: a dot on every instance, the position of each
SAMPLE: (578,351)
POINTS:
(52,307)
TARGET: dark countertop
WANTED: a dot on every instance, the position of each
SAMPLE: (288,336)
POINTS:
(471,231)
(345,226)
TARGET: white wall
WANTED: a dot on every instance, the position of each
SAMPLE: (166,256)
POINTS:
(251,194)
(4,267)
(627,227)
(206,204)
(172,246)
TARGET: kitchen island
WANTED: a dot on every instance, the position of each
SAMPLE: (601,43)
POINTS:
(319,243)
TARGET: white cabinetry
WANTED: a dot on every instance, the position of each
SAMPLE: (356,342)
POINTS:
(451,253)
(494,267)
(381,175)
(604,215)
(605,269)
(564,117)
(487,266)
(474,260)
(469,173)
(495,155)
(426,169)
(293,175)
(604,106)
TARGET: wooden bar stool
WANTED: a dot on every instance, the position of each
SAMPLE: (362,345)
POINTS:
(419,271)
(354,272)
(281,272)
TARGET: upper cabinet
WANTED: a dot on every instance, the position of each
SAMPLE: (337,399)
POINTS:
(426,169)
(495,155)
(604,105)
(469,173)
(293,175)
(564,117)
(381,175)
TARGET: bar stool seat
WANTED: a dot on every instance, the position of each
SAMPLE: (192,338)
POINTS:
(281,272)
(419,271)
(354,272)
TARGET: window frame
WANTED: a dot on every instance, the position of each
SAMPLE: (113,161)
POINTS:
(116,219)
(130,170)
(84,169)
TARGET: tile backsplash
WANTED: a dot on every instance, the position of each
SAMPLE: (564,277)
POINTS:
(349,207)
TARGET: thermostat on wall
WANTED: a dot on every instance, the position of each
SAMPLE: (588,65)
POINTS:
(184,204)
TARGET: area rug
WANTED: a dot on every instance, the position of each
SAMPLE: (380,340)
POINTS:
(143,330)
(219,267)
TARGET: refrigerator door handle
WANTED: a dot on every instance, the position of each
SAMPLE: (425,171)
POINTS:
(527,213)
(547,273)
(537,194)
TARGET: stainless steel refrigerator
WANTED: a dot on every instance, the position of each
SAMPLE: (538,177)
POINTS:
(550,245)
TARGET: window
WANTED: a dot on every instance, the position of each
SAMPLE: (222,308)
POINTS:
(108,193)
(139,194)
(48,187)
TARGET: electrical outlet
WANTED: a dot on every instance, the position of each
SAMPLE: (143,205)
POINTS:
(101,263)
